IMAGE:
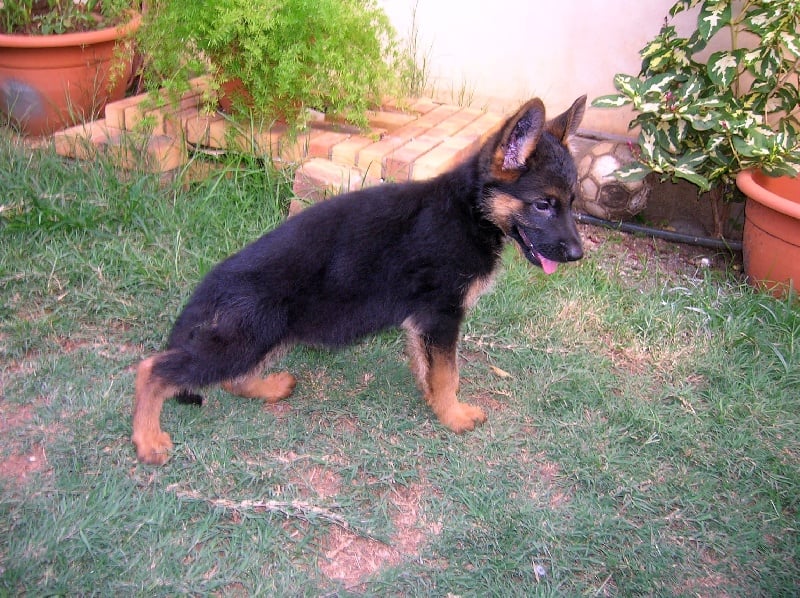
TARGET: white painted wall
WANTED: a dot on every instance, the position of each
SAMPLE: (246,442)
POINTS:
(502,52)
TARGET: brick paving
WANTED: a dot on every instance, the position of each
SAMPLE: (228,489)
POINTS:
(416,140)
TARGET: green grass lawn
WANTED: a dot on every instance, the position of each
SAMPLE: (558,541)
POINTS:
(642,435)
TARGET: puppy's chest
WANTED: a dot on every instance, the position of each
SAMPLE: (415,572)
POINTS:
(477,288)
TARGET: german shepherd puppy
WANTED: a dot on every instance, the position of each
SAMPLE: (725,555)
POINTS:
(414,255)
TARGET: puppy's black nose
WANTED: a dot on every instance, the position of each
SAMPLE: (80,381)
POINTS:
(573,251)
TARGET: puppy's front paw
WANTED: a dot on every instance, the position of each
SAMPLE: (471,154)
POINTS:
(462,417)
(153,448)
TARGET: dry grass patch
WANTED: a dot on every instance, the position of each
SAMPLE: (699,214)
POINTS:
(18,461)
(352,559)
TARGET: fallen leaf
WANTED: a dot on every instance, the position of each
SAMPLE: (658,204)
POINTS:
(499,372)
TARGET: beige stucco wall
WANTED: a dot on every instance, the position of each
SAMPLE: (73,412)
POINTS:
(501,52)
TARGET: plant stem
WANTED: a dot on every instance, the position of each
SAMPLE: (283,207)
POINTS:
(718,210)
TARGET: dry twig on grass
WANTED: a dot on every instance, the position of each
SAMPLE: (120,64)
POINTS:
(299,509)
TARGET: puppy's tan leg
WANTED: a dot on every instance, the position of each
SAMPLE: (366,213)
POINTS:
(418,358)
(272,389)
(442,385)
(152,445)
(436,372)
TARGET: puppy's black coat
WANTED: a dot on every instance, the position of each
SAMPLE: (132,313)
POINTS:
(415,255)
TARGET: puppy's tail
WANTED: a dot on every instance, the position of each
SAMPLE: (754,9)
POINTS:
(186,397)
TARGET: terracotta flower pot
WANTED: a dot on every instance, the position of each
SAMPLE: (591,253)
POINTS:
(771,243)
(233,93)
(48,82)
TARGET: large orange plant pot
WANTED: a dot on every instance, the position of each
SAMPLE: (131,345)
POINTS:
(49,82)
(771,241)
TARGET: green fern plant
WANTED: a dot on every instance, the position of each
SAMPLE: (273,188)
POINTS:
(290,55)
(704,120)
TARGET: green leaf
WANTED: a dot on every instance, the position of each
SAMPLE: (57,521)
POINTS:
(647,142)
(611,101)
(752,146)
(657,62)
(696,43)
(783,169)
(691,89)
(713,17)
(658,84)
(627,84)
(648,107)
(788,132)
(722,171)
(701,120)
(653,48)
(759,20)
(661,161)
(670,135)
(632,172)
(665,52)
(791,41)
(784,99)
(723,67)
(765,65)
(695,179)
(682,5)
(660,43)
(717,151)
(691,161)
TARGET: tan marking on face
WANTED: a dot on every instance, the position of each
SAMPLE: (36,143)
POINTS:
(502,208)
(558,193)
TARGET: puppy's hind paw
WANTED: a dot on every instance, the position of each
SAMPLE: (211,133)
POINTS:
(278,386)
(271,389)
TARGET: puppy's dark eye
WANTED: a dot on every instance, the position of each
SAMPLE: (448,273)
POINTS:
(543,205)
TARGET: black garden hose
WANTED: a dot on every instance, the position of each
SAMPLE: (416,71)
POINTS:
(627,227)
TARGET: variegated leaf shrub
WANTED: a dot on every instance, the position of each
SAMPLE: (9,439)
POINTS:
(705,119)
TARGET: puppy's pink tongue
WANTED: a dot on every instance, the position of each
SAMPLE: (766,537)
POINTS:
(549,266)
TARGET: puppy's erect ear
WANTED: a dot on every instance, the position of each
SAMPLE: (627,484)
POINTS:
(517,141)
(566,124)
